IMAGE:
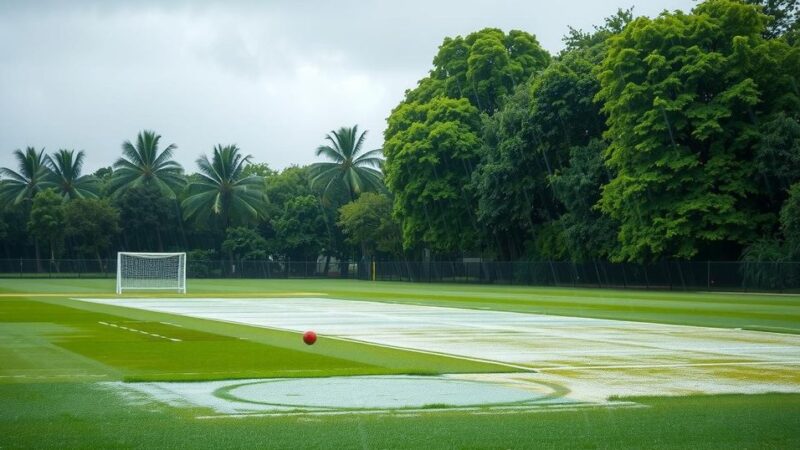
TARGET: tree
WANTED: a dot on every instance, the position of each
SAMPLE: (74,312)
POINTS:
(431,151)
(483,67)
(66,166)
(147,216)
(32,177)
(356,172)
(683,94)
(143,163)
(777,159)
(244,243)
(784,16)
(527,143)
(261,169)
(222,189)
(368,222)
(588,234)
(92,224)
(47,220)
(790,222)
(300,230)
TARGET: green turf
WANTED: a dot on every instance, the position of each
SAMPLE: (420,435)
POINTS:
(53,350)
(57,338)
(77,415)
(767,312)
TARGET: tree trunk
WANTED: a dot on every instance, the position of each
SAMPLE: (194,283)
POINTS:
(327,264)
(38,260)
(158,237)
(99,261)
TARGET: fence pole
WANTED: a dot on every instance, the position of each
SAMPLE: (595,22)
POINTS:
(708,275)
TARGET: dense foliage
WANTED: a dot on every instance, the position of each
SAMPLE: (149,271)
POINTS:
(644,139)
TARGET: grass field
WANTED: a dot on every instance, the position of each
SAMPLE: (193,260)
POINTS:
(58,355)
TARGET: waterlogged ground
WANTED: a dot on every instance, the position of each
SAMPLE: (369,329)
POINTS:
(562,360)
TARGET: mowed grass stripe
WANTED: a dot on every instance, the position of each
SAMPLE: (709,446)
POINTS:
(207,349)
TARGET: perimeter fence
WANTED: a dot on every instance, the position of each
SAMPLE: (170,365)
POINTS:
(667,275)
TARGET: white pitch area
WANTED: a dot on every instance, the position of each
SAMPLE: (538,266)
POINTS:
(593,358)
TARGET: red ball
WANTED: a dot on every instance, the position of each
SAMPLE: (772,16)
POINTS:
(309,337)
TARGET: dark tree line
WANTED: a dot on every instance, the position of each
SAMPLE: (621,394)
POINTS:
(230,208)
(644,139)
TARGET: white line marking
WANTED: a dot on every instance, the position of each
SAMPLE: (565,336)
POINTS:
(139,331)
(668,366)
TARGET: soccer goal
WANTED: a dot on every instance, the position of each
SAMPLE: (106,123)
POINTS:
(152,271)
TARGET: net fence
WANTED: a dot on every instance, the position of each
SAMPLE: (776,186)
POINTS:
(667,275)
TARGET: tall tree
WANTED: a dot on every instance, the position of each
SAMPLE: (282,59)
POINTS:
(93,225)
(66,167)
(148,218)
(144,163)
(784,16)
(431,151)
(368,222)
(482,67)
(33,176)
(47,220)
(300,230)
(222,190)
(349,167)
(684,94)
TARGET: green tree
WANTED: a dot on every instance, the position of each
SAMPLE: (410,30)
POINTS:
(368,223)
(244,243)
(784,16)
(529,142)
(588,234)
(483,67)
(261,169)
(66,167)
(301,232)
(33,176)
(144,163)
(431,151)
(357,172)
(92,225)
(221,189)
(777,158)
(147,217)
(790,222)
(683,94)
(46,221)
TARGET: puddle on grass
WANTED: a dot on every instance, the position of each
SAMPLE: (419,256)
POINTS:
(349,394)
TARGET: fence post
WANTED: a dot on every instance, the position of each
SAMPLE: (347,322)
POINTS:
(708,274)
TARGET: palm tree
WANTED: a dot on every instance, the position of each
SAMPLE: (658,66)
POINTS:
(66,168)
(20,187)
(143,164)
(222,188)
(33,176)
(357,173)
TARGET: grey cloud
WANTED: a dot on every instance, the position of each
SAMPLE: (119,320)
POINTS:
(273,77)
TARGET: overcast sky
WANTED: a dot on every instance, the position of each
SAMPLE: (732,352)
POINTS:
(271,76)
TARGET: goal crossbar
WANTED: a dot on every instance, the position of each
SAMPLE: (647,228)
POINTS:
(151,271)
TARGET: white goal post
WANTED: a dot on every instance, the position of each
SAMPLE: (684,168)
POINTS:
(153,271)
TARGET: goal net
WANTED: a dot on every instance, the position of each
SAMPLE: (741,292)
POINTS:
(161,271)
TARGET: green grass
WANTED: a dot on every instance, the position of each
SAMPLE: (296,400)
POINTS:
(767,312)
(49,338)
(77,415)
(53,350)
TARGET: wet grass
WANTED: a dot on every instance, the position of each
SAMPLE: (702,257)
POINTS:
(79,415)
(45,338)
(53,350)
(767,312)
